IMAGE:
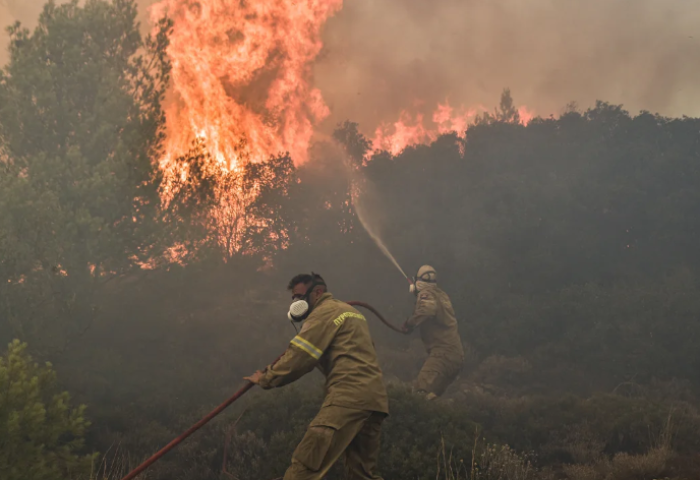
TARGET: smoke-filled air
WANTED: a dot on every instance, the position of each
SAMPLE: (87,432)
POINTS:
(335,239)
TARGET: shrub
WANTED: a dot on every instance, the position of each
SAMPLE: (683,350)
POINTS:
(40,434)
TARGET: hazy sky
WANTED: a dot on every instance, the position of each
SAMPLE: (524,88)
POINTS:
(381,56)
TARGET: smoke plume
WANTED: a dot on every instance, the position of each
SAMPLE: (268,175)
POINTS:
(382,57)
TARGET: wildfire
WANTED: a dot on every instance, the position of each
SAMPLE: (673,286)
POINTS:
(241,77)
(411,129)
(242,92)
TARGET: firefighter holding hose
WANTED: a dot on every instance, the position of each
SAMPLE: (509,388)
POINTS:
(334,338)
(435,317)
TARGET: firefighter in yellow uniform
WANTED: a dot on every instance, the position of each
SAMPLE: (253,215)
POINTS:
(335,339)
(435,317)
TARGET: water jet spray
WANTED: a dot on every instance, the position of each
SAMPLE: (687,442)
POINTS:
(375,236)
(357,185)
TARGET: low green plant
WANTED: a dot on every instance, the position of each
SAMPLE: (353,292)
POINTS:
(41,435)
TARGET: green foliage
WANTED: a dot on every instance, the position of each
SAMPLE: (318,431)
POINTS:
(610,334)
(272,425)
(425,440)
(414,434)
(568,245)
(355,144)
(568,241)
(41,436)
(505,113)
(552,425)
(80,120)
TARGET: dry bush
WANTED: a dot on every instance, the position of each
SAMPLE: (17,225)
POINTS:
(489,462)
(650,466)
(583,472)
(503,463)
(653,464)
(246,455)
(501,371)
(115,464)
(583,444)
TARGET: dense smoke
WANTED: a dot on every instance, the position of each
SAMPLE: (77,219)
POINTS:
(568,247)
(381,57)
(22,10)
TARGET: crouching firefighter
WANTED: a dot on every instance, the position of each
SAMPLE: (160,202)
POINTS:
(435,317)
(336,339)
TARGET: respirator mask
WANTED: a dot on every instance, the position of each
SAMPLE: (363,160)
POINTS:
(420,281)
(300,309)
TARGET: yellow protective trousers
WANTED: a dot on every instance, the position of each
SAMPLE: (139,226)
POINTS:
(438,373)
(338,431)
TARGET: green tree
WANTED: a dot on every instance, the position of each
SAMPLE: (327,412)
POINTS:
(275,226)
(355,144)
(40,434)
(80,122)
(506,112)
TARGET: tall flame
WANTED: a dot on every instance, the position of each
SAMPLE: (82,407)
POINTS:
(241,76)
(242,92)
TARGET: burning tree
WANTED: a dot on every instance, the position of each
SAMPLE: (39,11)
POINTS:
(242,78)
(230,212)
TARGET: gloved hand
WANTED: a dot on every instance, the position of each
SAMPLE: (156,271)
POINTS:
(255,378)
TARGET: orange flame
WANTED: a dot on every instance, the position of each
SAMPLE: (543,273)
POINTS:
(242,89)
(526,115)
(411,130)
(241,77)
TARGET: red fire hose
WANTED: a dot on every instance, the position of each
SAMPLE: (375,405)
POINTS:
(378,315)
(176,441)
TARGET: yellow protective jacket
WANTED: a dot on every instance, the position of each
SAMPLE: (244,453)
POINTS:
(335,338)
(438,323)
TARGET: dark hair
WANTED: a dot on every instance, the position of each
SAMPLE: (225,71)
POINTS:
(305,278)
